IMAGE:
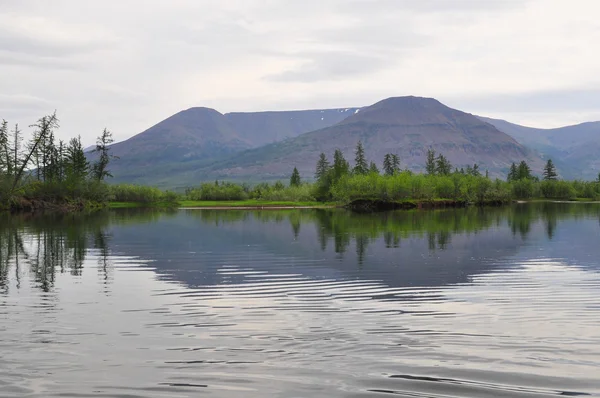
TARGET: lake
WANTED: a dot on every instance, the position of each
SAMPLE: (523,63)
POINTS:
(477,302)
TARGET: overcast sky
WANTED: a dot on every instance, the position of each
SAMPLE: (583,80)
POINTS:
(128,64)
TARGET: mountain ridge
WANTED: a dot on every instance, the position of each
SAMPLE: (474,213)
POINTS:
(408,126)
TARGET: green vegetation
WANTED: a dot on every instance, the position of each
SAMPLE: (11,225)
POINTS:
(48,173)
(341,184)
(44,173)
(439,183)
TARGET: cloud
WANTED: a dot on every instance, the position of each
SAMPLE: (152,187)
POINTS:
(128,64)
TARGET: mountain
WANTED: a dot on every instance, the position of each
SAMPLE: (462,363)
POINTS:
(408,126)
(190,135)
(261,128)
(192,138)
(574,149)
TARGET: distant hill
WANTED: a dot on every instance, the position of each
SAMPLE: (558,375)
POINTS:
(574,149)
(408,126)
(190,139)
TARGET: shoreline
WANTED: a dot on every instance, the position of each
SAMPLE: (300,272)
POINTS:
(359,205)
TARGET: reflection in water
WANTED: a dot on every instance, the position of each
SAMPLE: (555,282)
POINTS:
(495,302)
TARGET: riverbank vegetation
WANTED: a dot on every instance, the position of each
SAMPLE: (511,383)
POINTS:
(46,173)
(441,184)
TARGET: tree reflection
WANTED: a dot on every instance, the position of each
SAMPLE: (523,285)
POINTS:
(50,244)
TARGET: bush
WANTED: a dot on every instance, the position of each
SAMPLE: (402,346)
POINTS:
(135,193)
(218,191)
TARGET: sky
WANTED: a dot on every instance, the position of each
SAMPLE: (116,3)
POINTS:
(128,64)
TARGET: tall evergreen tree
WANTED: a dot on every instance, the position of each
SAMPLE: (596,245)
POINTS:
(443,165)
(512,173)
(5,155)
(395,163)
(322,167)
(44,126)
(373,168)
(340,165)
(388,168)
(295,178)
(523,171)
(16,148)
(100,168)
(430,165)
(77,164)
(550,171)
(360,162)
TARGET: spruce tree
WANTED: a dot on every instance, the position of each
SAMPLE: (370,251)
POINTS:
(395,163)
(16,148)
(322,167)
(44,126)
(340,165)
(361,166)
(523,171)
(442,165)
(77,164)
(373,168)
(5,155)
(512,173)
(550,171)
(388,168)
(295,178)
(100,168)
(430,166)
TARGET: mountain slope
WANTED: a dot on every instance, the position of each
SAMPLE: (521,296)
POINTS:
(408,126)
(261,128)
(190,139)
(574,149)
(196,133)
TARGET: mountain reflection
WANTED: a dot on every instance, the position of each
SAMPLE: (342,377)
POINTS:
(401,248)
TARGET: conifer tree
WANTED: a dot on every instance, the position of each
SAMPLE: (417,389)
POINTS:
(77,164)
(430,166)
(373,168)
(322,167)
(388,168)
(361,166)
(44,126)
(512,173)
(16,148)
(340,165)
(395,163)
(100,168)
(5,155)
(550,171)
(523,171)
(442,165)
(295,178)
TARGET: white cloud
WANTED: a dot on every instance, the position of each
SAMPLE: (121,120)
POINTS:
(126,65)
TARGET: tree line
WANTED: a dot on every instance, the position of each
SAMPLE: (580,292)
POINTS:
(341,182)
(48,169)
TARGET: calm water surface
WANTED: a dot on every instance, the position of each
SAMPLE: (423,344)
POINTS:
(313,303)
